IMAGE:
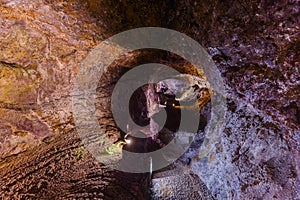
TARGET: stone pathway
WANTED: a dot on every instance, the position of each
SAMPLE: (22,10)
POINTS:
(176,185)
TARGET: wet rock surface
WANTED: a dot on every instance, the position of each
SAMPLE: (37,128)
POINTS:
(255,45)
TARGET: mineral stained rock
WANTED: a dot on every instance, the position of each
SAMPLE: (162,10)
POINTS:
(255,45)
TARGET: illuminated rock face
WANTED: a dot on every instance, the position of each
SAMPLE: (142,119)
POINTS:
(40,53)
(255,45)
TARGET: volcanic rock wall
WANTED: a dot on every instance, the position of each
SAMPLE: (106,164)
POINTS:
(255,45)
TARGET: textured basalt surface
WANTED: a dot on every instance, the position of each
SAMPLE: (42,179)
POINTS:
(255,45)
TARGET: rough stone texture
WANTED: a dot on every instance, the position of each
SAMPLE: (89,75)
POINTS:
(41,50)
(255,45)
(62,169)
(186,186)
(42,46)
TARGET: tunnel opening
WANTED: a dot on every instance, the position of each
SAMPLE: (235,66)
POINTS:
(169,117)
(171,114)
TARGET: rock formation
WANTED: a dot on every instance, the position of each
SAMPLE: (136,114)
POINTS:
(255,45)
